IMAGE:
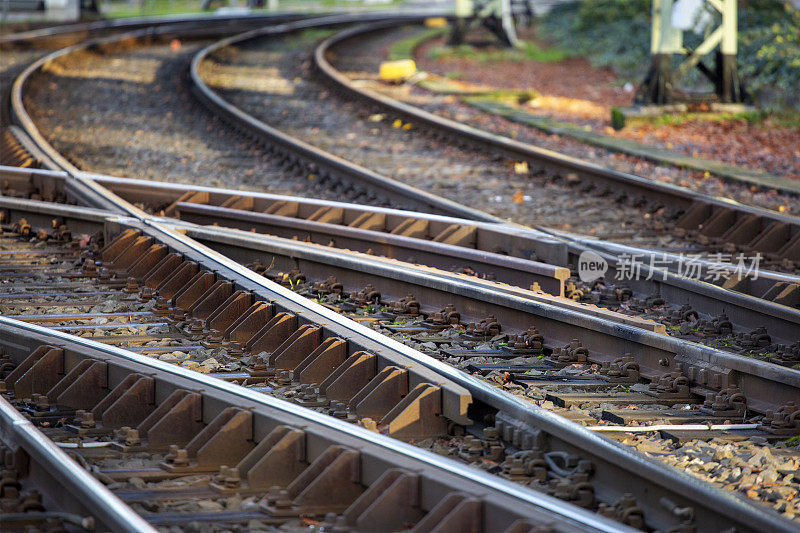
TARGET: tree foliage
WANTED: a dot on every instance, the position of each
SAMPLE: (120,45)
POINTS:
(769,45)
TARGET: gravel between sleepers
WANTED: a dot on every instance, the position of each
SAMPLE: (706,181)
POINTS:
(127,111)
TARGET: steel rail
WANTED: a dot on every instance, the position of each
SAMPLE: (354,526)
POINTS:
(735,512)
(742,308)
(765,383)
(510,247)
(433,469)
(780,233)
(610,455)
(61,480)
(614,461)
(322,162)
(748,304)
(397,277)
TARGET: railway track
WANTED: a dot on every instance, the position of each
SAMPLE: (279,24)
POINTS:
(709,219)
(537,448)
(180,325)
(691,223)
(744,305)
(151,445)
(358,183)
(487,251)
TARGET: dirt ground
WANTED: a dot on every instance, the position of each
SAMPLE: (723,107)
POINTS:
(573,90)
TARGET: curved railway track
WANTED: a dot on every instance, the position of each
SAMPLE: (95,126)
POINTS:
(712,219)
(718,220)
(781,289)
(211,303)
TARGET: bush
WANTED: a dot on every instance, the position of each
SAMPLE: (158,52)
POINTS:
(769,47)
(613,33)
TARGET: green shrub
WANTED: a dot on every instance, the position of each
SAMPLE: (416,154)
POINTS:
(769,47)
(613,33)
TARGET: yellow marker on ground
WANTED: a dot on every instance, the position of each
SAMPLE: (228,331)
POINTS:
(397,71)
(436,22)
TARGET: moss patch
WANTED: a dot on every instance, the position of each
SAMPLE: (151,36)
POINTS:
(404,48)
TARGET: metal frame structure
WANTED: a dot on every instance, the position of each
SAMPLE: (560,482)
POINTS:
(666,41)
(495,15)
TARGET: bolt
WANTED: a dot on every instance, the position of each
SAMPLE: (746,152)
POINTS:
(229,477)
(369,424)
(181,458)
(272,494)
(89,268)
(283,501)
(41,402)
(235,350)
(177,456)
(132,437)
(131,285)
(516,468)
(84,419)
(161,307)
